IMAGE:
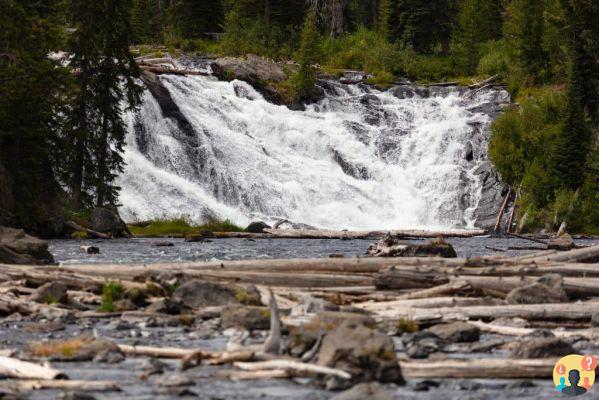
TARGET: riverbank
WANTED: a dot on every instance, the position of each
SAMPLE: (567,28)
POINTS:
(179,328)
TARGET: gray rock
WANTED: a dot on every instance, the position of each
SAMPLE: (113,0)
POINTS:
(422,344)
(548,289)
(51,292)
(16,247)
(492,195)
(163,244)
(367,354)
(595,320)
(108,221)
(164,306)
(393,246)
(198,294)
(563,243)
(456,332)
(175,379)
(250,318)
(363,391)
(541,347)
(257,227)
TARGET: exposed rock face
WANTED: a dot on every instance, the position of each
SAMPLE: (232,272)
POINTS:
(257,227)
(456,332)
(367,354)
(492,196)
(548,289)
(16,247)
(108,221)
(262,74)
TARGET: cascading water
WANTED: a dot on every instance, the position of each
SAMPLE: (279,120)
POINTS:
(358,159)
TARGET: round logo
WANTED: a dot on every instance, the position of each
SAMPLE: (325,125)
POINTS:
(574,374)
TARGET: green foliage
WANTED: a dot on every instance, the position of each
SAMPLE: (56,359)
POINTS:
(494,59)
(308,54)
(111,292)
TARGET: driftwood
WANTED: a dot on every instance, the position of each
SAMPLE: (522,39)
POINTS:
(482,83)
(502,210)
(585,255)
(92,233)
(159,70)
(14,368)
(254,375)
(323,234)
(293,368)
(513,212)
(591,334)
(478,368)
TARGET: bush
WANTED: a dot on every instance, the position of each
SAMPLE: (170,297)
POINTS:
(181,227)
(495,59)
(111,292)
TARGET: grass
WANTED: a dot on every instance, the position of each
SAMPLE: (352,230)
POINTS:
(180,227)
(65,348)
(111,292)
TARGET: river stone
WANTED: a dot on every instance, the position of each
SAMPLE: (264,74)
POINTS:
(394,246)
(257,227)
(365,391)
(16,247)
(367,354)
(548,289)
(456,332)
(562,243)
(250,318)
(51,292)
(197,294)
(541,347)
(107,221)
(595,320)
(422,344)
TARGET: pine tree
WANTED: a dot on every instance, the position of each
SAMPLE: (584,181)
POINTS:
(523,30)
(105,77)
(32,93)
(572,143)
(307,55)
(385,18)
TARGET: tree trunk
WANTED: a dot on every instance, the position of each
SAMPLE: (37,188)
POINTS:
(336,18)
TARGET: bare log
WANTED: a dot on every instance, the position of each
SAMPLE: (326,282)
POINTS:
(254,375)
(158,70)
(293,367)
(591,334)
(92,233)
(324,234)
(584,255)
(14,368)
(490,368)
(273,343)
(157,352)
(502,210)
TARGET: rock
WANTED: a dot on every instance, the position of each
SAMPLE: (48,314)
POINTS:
(548,289)
(355,170)
(163,244)
(422,344)
(367,354)
(74,396)
(491,199)
(152,366)
(90,249)
(50,293)
(562,243)
(206,233)
(595,320)
(456,332)
(195,238)
(198,294)
(257,227)
(16,247)
(250,318)
(302,338)
(364,391)
(106,220)
(350,77)
(392,246)
(124,305)
(174,379)
(311,305)
(78,349)
(541,347)
(164,306)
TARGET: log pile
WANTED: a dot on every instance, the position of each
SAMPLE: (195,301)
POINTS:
(436,298)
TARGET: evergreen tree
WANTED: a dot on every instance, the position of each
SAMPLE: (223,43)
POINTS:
(193,18)
(307,56)
(32,90)
(105,74)
(523,30)
(144,16)
(385,18)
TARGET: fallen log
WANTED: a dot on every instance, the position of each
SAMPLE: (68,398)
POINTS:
(415,233)
(158,70)
(157,352)
(254,375)
(92,233)
(591,334)
(583,255)
(489,368)
(15,368)
(502,210)
(293,368)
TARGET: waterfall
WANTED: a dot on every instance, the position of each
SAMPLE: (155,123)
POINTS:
(360,158)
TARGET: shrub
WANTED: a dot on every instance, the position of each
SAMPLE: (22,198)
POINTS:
(111,292)
(495,59)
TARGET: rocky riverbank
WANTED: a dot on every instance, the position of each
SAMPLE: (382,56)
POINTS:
(424,327)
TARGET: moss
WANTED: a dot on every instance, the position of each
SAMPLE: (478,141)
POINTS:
(49,299)
(241,296)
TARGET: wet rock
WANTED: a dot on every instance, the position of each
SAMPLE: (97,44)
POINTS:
(16,247)
(491,199)
(51,292)
(426,385)
(250,318)
(152,366)
(392,246)
(108,220)
(548,289)
(90,249)
(402,91)
(257,227)
(541,347)
(363,391)
(562,243)
(195,238)
(422,344)
(354,170)
(367,354)
(198,294)
(456,332)
(468,152)
(163,244)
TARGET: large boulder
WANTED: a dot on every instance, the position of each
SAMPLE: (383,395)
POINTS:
(250,318)
(257,227)
(541,347)
(365,353)
(392,246)
(16,247)
(563,243)
(456,332)
(51,292)
(107,220)
(548,289)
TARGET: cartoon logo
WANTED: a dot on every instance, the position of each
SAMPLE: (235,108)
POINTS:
(574,374)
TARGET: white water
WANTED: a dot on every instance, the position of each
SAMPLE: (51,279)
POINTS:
(251,160)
